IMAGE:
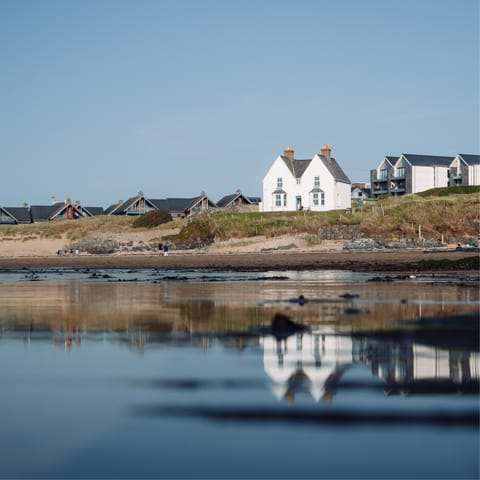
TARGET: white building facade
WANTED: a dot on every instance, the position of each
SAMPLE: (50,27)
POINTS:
(465,170)
(317,184)
(411,173)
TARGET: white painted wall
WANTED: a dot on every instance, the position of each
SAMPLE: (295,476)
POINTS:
(422,179)
(474,175)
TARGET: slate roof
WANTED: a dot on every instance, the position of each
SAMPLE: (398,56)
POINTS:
(123,206)
(172,204)
(334,168)
(428,160)
(120,207)
(43,212)
(470,159)
(229,199)
(109,210)
(178,205)
(299,167)
(19,214)
(94,211)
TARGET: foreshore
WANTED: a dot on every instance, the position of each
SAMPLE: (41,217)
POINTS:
(382,261)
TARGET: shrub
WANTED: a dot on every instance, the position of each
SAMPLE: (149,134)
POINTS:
(154,218)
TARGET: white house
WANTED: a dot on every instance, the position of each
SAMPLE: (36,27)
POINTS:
(316,184)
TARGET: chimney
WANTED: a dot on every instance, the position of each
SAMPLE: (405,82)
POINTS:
(288,152)
(326,151)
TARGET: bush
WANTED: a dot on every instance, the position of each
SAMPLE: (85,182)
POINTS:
(154,218)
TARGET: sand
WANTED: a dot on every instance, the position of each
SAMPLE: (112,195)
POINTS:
(281,253)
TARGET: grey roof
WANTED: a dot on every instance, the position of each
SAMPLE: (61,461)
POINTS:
(123,206)
(43,212)
(120,207)
(255,200)
(428,160)
(178,205)
(334,168)
(94,211)
(391,159)
(299,166)
(19,214)
(172,204)
(229,199)
(109,210)
(470,159)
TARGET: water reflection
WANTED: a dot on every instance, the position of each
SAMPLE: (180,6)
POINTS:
(147,375)
(317,363)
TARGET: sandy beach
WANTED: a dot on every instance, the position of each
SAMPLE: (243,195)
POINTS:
(279,253)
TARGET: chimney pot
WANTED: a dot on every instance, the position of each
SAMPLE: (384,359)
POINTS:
(326,151)
(289,153)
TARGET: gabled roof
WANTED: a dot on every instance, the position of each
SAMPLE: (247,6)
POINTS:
(120,207)
(43,212)
(112,208)
(366,191)
(178,205)
(470,159)
(299,166)
(19,214)
(200,198)
(49,212)
(389,160)
(427,160)
(334,168)
(229,200)
(94,211)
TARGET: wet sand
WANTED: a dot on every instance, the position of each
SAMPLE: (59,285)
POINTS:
(398,260)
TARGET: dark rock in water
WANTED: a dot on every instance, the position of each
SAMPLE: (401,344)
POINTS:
(283,327)
(349,296)
(301,300)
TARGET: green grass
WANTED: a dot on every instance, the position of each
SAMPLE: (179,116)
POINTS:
(446,191)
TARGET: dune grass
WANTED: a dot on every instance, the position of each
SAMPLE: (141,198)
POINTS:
(411,216)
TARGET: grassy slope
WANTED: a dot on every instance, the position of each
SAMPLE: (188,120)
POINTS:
(451,216)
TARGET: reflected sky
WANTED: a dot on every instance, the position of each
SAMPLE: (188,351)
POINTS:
(184,378)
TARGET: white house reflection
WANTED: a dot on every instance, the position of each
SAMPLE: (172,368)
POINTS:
(305,361)
(316,362)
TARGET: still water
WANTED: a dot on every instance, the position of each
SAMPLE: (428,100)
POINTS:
(150,374)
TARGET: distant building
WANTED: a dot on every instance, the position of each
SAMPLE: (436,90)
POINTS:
(411,173)
(236,199)
(360,192)
(184,207)
(61,211)
(15,215)
(465,170)
(316,184)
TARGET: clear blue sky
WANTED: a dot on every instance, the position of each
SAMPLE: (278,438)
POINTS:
(102,98)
